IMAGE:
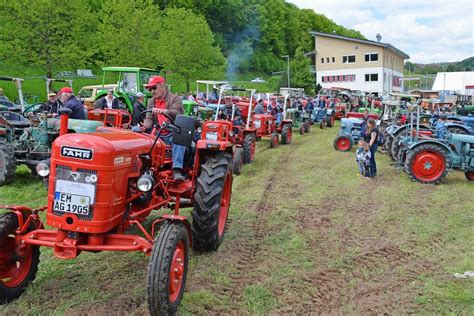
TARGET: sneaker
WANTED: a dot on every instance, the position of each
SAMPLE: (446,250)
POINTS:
(178,175)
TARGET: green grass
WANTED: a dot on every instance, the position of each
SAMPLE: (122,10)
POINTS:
(326,241)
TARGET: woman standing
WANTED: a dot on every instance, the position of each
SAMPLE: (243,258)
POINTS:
(371,135)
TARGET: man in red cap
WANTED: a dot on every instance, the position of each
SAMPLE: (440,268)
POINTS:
(165,102)
(71,102)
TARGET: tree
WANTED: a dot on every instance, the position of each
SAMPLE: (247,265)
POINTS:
(301,76)
(47,33)
(128,33)
(186,46)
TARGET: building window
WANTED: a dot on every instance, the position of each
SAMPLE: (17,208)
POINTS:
(348,59)
(334,59)
(322,60)
(371,77)
(327,60)
(371,57)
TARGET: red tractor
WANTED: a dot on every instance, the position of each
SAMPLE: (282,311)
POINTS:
(243,137)
(102,184)
(274,127)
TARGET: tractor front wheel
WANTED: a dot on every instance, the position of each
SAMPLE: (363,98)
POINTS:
(331,121)
(302,130)
(7,163)
(469,175)
(286,134)
(238,161)
(274,140)
(249,148)
(18,263)
(212,202)
(168,269)
(427,163)
(342,143)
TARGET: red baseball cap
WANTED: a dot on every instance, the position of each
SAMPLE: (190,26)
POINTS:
(65,90)
(154,80)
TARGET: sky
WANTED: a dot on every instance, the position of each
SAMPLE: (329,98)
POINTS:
(429,31)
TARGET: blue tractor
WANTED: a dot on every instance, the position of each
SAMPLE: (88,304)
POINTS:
(428,160)
(349,134)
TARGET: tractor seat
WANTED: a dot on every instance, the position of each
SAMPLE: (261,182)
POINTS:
(16,119)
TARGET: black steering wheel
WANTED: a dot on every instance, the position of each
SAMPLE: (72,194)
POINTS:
(154,117)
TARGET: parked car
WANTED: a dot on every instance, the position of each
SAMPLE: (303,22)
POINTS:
(65,74)
(257,80)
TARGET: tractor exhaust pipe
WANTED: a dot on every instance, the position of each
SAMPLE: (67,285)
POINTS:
(64,112)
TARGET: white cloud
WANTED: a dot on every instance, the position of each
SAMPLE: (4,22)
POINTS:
(428,31)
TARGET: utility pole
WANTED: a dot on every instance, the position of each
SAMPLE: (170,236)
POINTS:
(288,70)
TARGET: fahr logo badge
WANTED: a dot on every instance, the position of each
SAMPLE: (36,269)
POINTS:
(78,153)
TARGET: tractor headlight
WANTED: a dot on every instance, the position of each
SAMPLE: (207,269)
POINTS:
(145,183)
(42,169)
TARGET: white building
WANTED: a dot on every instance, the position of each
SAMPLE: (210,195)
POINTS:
(356,64)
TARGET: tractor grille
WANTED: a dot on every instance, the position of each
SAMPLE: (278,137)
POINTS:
(79,176)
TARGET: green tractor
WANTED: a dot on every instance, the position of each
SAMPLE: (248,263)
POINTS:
(22,142)
(130,81)
(192,108)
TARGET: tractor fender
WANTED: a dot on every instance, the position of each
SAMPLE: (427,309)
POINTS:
(285,122)
(430,141)
(181,219)
(460,126)
(250,130)
(398,130)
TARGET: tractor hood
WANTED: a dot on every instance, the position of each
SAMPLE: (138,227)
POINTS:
(109,148)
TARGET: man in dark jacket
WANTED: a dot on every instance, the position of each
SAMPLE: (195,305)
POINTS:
(259,109)
(165,102)
(226,113)
(138,108)
(70,102)
(52,105)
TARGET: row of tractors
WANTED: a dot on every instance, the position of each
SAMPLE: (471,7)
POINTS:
(103,179)
(413,142)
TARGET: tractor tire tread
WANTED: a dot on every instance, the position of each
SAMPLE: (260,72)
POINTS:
(205,214)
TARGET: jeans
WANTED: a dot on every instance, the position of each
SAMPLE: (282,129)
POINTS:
(177,151)
(373,165)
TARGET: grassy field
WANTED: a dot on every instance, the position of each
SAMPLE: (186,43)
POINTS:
(306,235)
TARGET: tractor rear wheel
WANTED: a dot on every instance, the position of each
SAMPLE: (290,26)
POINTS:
(427,163)
(302,130)
(168,269)
(7,163)
(395,145)
(322,124)
(469,175)
(237,162)
(249,148)
(19,263)
(286,134)
(212,201)
(388,142)
(342,143)
(274,140)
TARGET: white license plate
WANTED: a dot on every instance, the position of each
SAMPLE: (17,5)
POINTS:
(211,136)
(70,203)
(76,188)
(257,124)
